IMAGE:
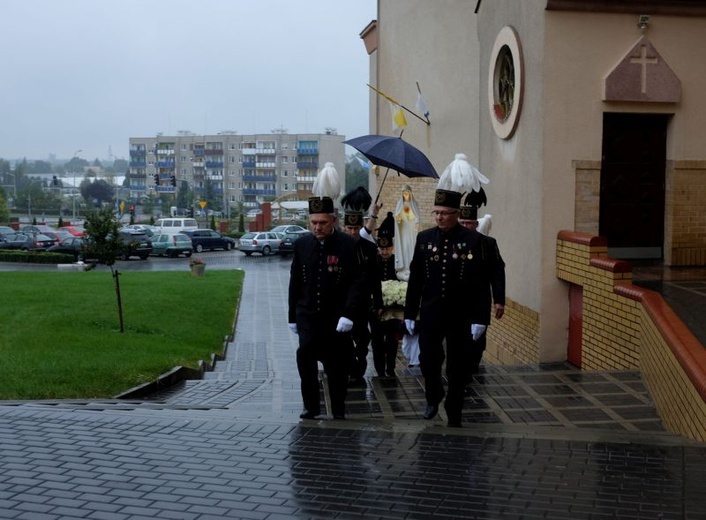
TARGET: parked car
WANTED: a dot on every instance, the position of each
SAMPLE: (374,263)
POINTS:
(176,225)
(263,242)
(26,241)
(135,243)
(147,229)
(38,228)
(6,230)
(286,247)
(207,239)
(171,245)
(57,235)
(70,246)
(77,231)
(288,228)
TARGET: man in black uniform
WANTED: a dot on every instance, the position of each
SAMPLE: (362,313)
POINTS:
(385,332)
(443,293)
(355,203)
(325,296)
(492,278)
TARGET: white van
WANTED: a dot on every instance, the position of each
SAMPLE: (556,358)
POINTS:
(175,225)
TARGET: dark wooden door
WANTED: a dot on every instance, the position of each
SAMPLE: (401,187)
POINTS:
(632,184)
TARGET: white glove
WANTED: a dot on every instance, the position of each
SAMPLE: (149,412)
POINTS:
(344,325)
(477,331)
(293,328)
(409,324)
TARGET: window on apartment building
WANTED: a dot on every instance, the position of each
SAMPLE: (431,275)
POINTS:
(285,160)
(286,187)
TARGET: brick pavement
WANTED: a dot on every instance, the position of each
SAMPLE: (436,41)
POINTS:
(537,442)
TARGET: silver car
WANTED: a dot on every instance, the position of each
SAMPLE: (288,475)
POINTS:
(263,242)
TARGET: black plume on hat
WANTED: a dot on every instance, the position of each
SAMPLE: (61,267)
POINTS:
(386,231)
(357,200)
(475,199)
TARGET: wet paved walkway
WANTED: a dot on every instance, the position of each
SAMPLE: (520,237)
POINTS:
(537,442)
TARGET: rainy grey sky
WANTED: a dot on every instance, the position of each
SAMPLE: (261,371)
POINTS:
(90,74)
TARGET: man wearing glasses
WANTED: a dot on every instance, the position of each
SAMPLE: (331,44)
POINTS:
(444,306)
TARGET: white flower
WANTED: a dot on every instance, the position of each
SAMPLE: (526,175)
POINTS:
(394,293)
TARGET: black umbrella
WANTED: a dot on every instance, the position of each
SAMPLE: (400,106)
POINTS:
(395,153)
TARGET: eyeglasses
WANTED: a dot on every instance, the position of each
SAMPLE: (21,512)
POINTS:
(443,213)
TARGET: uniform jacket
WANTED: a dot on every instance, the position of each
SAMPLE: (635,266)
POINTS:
(492,270)
(444,279)
(367,256)
(326,281)
(386,268)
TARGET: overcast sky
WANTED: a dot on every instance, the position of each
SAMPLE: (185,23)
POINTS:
(90,74)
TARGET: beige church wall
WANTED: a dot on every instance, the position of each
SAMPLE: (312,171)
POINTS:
(440,56)
(517,163)
(573,89)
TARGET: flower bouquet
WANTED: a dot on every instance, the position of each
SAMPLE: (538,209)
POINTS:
(394,293)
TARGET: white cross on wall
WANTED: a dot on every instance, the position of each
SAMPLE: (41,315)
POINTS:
(643,61)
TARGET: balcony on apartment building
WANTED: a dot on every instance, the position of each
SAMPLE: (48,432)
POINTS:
(308,151)
(214,151)
(249,151)
(165,151)
(265,165)
(308,165)
(138,164)
(255,191)
(214,163)
(265,151)
(259,178)
(248,164)
(165,189)
(198,152)
(165,164)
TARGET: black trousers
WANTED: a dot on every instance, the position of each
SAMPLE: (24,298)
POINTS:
(445,339)
(359,353)
(323,343)
(477,349)
(385,345)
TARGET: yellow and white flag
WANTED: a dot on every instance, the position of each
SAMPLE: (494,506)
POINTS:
(399,121)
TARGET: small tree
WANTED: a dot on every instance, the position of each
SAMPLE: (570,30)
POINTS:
(241,223)
(213,222)
(104,245)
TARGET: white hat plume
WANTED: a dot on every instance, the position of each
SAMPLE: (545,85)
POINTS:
(461,176)
(327,182)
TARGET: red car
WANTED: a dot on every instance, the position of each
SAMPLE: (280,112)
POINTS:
(76,231)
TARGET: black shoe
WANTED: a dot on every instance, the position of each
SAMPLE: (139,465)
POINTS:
(431,411)
(454,423)
(308,415)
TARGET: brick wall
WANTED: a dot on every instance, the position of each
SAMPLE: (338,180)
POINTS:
(685,213)
(587,196)
(514,339)
(626,328)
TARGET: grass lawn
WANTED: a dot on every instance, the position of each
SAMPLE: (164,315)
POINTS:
(60,331)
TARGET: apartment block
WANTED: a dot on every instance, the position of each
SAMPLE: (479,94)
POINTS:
(232,169)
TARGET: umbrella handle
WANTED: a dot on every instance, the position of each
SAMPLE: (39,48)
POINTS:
(381,185)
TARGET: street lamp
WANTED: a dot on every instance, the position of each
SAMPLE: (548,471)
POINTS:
(73,198)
